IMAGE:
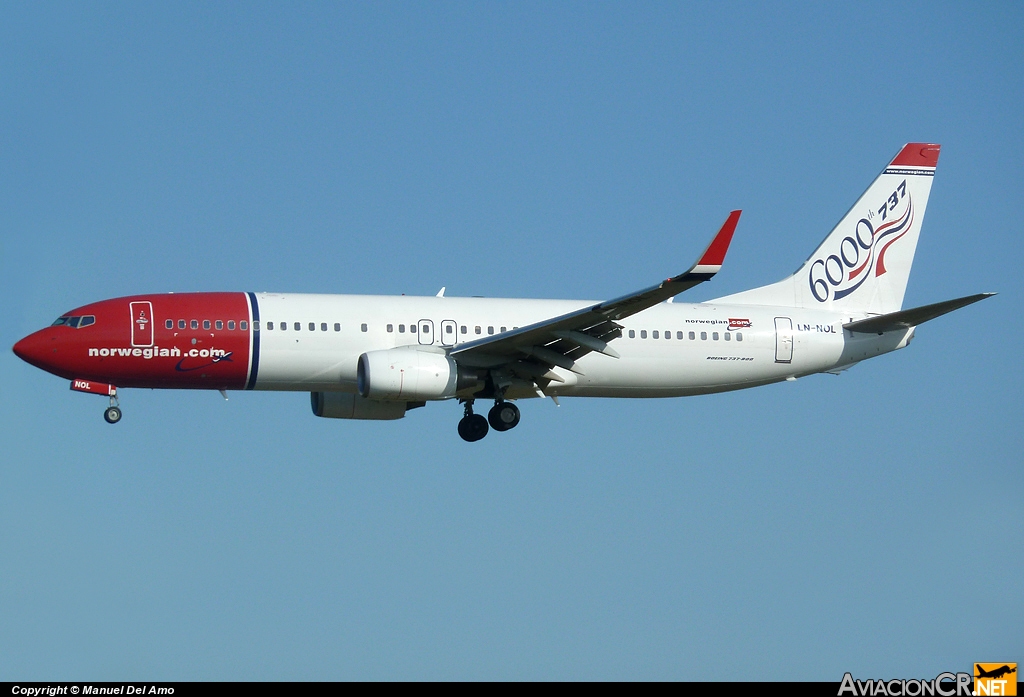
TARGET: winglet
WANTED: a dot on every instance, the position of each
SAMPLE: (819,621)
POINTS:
(710,261)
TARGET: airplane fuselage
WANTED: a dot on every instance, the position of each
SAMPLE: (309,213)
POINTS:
(301,342)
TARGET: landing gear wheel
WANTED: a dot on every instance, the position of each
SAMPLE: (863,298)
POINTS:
(112,415)
(503,416)
(472,427)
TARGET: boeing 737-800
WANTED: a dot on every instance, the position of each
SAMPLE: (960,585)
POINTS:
(376,357)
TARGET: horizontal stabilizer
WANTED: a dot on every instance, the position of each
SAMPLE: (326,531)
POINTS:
(904,319)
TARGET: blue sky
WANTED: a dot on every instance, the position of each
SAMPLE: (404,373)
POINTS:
(870,522)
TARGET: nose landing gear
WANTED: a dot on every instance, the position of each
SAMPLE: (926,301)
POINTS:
(112,414)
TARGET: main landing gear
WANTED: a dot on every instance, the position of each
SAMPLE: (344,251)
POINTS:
(472,427)
(502,417)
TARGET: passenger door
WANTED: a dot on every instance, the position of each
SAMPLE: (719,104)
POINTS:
(783,340)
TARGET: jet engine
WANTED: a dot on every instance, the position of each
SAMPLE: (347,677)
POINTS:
(345,405)
(412,374)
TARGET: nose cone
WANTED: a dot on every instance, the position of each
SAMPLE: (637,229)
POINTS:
(39,349)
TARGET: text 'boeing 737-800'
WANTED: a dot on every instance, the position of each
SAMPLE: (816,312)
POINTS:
(376,357)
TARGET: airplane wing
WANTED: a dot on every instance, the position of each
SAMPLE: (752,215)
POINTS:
(530,352)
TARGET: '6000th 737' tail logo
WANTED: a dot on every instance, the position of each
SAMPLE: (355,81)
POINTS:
(862,254)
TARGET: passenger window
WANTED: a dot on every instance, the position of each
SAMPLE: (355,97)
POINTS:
(194,324)
(270,326)
(312,326)
(679,335)
(464,329)
(255,325)
(503,330)
(337,326)
(231,324)
(448,329)
(728,336)
(703,336)
(692,336)
(323,326)
(654,334)
(243,325)
(401,329)
(169,324)
(490,330)
(390,328)
(412,328)
(219,324)
(206,324)
(714,335)
(362,327)
(477,329)
(739,336)
(643,333)
(181,324)
(426,329)
(632,334)
(298,326)
(283,326)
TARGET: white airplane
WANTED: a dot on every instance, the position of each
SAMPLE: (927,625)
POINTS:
(376,357)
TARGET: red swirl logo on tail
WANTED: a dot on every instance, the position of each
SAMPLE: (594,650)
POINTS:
(862,254)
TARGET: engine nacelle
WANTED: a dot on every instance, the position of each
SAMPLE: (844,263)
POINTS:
(345,405)
(408,373)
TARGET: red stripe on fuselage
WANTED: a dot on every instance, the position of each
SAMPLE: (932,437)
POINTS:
(188,358)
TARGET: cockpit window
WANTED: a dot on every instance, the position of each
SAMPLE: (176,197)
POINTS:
(75,322)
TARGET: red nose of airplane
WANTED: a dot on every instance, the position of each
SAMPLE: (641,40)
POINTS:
(39,349)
